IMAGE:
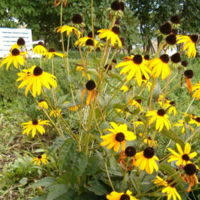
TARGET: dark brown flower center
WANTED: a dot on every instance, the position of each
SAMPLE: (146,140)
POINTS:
(35,122)
(176,58)
(139,101)
(137,59)
(108,67)
(37,71)
(185,157)
(120,137)
(171,183)
(21,41)
(164,58)
(116,5)
(125,197)
(194,38)
(15,52)
(175,19)
(190,169)
(188,73)
(146,57)
(161,112)
(171,39)
(130,151)
(149,152)
(166,28)
(90,34)
(52,50)
(90,85)
(41,43)
(116,30)
(77,19)
(39,157)
(197,119)
(89,42)
(184,63)
(173,103)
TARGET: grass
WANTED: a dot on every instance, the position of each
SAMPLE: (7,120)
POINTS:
(16,149)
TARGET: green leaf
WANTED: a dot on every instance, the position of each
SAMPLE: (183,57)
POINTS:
(173,136)
(43,197)
(97,187)
(57,191)
(45,182)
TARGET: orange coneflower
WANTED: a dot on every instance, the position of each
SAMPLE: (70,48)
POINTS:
(188,75)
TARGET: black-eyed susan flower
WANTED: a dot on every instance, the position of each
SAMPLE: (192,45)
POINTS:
(118,137)
(166,28)
(112,36)
(127,158)
(160,118)
(15,57)
(169,188)
(134,67)
(77,19)
(169,106)
(184,125)
(41,159)
(120,196)
(55,113)
(34,79)
(160,67)
(42,104)
(175,19)
(146,160)
(52,52)
(195,120)
(69,30)
(171,39)
(150,142)
(117,5)
(137,123)
(189,44)
(20,43)
(189,176)
(183,156)
(124,88)
(90,88)
(196,91)
(34,126)
(188,75)
(40,49)
(136,103)
(176,58)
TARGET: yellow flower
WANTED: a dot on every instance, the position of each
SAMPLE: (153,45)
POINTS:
(118,137)
(43,104)
(160,67)
(184,125)
(124,88)
(134,67)
(150,142)
(41,159)
(137,123)
(146,160)
(195,120)
(34,126)
(52,52)
(120,196)
(183,157)
(69,30)
(189,44)
(90,88)
(87,41)
(40,49)
(160,117)
(136,103)
(111,36)
(55,113)
(34,79)
(196,90)
(169,188)
(15,57)
(169,106)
